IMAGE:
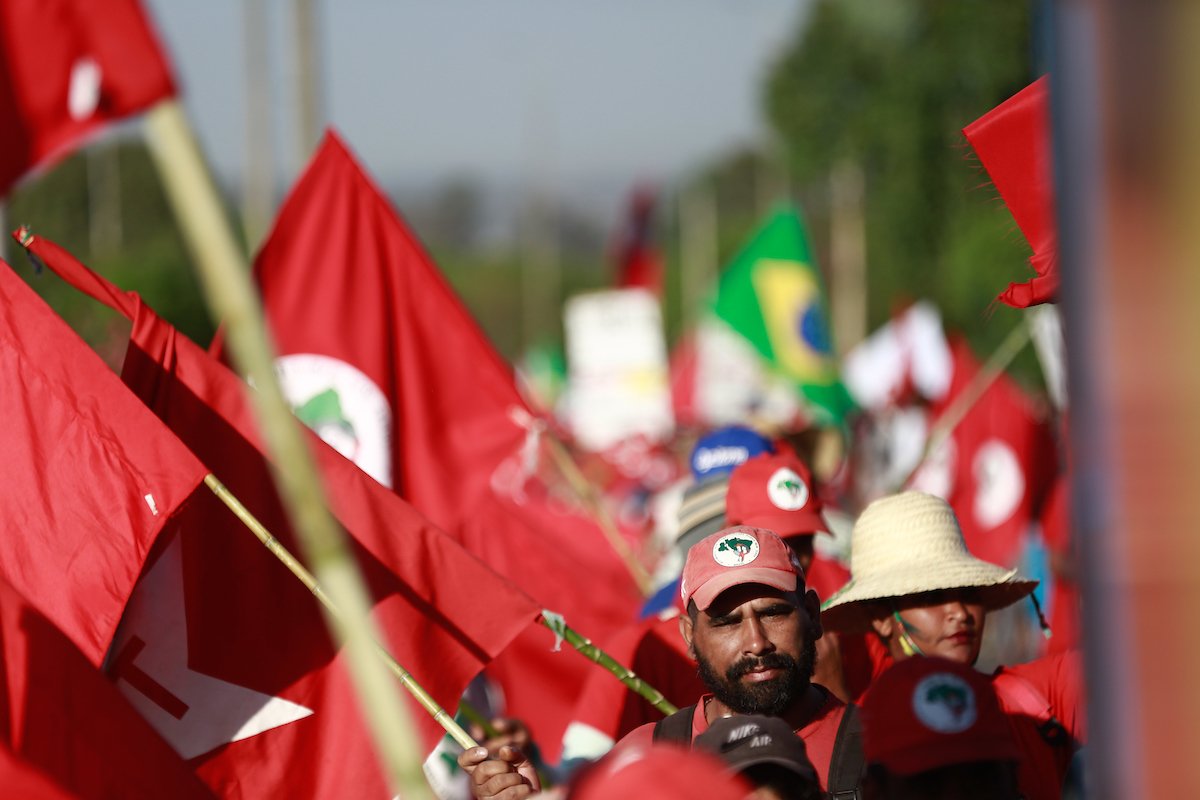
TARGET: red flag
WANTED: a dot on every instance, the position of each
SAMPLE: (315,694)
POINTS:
(1001,461)
(68,68)
(65,731)
(1013,142)
(244,679)
(383,360)
(89,476)
(639,265)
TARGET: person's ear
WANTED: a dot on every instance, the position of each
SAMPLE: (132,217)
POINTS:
(812,605)
(686,630)
(884,627)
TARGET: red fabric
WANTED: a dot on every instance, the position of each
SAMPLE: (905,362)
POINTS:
(43,43)
(654,649)
(639,266)
(819,734)
(81,458)
(775,491)
(341,276)
(662,772)
(684,362)
(1064,601)
(1013,142)
(1004,460)
(65,731)
(825,576)
(1057,690)
(443,613)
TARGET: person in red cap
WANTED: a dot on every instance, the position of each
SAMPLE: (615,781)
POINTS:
(751,627)
(765,751)
(933,728)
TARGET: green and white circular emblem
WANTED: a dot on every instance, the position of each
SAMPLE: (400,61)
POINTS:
(787,490)
(342,406)
(945,703)
(735,550)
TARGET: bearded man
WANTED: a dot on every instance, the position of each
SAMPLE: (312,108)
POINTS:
(751,627)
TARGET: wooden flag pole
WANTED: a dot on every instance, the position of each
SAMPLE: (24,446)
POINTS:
(559,628)
(1017,338)
(439,714)
(231,297)
(591,500)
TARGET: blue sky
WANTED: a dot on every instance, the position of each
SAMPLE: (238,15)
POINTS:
(588,96)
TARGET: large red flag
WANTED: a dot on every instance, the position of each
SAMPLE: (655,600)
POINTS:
(89,476)
(1013,142)
(68,67)
(65,731)
(999,463)
(380,357)
(224,651)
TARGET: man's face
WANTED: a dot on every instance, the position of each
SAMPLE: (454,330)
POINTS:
(947,623)
(755,647)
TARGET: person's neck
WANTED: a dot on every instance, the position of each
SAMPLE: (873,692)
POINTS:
(798,714)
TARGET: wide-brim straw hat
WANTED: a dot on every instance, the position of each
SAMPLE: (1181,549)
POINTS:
(907,544)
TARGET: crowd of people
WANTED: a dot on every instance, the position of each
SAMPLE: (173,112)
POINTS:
(795,678)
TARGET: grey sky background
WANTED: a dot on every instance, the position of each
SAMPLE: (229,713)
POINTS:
(584,98)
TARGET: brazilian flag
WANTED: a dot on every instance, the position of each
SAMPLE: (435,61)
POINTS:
(772,294)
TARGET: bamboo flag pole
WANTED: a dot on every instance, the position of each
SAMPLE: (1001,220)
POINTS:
(439,714)
(231,296)
(591,500)
(560,629)
(1017,338)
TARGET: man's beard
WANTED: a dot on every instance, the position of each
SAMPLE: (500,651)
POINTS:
(770,697)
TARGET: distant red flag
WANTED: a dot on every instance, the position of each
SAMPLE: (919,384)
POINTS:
(65,731)
(639,265)
(380,357)
(68,67)
(255,692)
(1013,142)
(1001,465)
(88,479)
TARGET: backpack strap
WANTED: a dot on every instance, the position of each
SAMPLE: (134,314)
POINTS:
(847,764)
(677,727)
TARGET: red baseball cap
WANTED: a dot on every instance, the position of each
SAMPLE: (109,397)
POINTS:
(777,492)
(734,556)
(925,713)
(666,772)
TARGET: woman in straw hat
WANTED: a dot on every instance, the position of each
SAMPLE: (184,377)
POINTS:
(916,588)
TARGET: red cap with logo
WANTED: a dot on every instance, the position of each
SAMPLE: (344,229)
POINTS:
(777,492)
(925,713)
(734,556)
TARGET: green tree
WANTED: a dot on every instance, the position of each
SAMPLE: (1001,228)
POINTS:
(890,85)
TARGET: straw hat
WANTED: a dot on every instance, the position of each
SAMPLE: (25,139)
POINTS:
(907,544)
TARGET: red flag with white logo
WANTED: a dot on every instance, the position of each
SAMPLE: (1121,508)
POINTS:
(224,651)
(89,476)
(67,68)
(380,357)
(997,465)
(65,731)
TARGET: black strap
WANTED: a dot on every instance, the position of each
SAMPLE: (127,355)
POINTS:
(847,764)
(677,727)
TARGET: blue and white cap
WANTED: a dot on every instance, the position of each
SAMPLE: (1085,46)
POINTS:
(717,453)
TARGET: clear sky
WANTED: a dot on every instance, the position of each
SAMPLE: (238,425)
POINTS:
(587,95)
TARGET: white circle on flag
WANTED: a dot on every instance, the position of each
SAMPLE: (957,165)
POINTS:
(83,92)
(735,550)
(936,474)
(999,483)
(945,703)
(787,490)
(342,406)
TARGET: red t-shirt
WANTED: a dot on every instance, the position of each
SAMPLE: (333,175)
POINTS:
(1029,694)
(819,734)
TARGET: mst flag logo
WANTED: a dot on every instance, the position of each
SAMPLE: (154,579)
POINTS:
(342,406)
(945,703)
(787,490)
(736,550)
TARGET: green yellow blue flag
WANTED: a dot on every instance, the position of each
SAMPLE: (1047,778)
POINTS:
(772,294)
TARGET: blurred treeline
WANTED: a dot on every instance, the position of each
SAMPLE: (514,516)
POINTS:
(883,86)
